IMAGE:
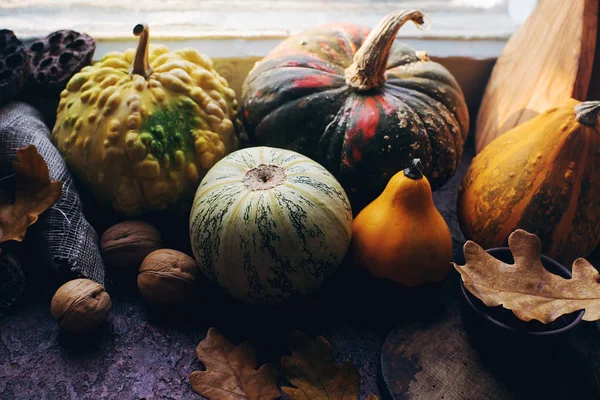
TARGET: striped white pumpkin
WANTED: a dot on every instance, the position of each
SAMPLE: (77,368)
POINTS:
(269,225)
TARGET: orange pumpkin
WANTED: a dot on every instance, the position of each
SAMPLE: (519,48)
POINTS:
(542,176)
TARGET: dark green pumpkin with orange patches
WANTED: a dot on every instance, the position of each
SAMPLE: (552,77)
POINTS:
(359,103)
(541,176)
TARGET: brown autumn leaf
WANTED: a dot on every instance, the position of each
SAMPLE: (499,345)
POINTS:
(526,287)
(34,195)
(315,374)
(231,371)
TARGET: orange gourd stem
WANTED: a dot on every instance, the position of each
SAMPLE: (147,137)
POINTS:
(370,61)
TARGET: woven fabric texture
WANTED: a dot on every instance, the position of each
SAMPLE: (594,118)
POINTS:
(68,241)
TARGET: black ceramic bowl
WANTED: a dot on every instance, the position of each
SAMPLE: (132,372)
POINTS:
(529,357)
(503,321)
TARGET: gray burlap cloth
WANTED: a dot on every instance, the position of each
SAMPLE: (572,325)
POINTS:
(67,239)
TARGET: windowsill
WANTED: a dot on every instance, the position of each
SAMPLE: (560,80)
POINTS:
(250,28)
(241,47)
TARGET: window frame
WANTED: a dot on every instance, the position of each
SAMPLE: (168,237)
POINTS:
(456,31)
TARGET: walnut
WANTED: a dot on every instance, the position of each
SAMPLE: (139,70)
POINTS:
(80,305)
(167,277)
(125,245)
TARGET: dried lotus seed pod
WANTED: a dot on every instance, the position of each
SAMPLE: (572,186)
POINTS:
(57,57)
(80,305)
(14,65)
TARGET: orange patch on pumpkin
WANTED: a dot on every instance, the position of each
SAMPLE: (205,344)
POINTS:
(312,81)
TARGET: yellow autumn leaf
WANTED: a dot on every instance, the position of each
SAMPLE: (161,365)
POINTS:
(526,287)
(314,373)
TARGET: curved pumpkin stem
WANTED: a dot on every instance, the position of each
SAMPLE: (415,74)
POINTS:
(370,61)
(587,113)
(140,65)
(414,170)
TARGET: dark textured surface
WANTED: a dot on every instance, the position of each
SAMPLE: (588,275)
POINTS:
(148,353)
(145,352)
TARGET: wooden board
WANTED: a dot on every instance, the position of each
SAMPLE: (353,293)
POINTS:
(548,59)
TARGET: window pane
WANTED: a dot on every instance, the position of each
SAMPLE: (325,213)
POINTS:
(271,18)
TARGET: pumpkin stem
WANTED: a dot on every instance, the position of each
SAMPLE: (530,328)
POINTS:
(414,170)
(140,65)
(370,61)
(587,113)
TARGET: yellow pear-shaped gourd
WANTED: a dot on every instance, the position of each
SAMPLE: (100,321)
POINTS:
(142,128)
(401,235)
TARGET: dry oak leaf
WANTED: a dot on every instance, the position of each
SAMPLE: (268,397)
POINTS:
(313,371)
(34,194)
(231,371)
(526,287)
